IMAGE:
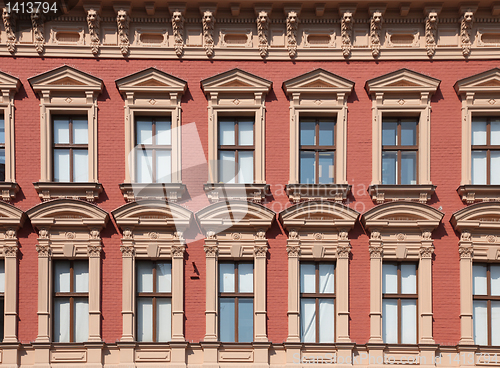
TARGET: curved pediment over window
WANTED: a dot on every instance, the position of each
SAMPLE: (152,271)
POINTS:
(10,215)
(319,214)
(318,81)
(402,80)
(236,80)
(480,216)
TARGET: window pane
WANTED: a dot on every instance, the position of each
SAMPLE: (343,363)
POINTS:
(226,133)
(308,320)
(144,277)
(326,320)
(408,278)
(408,168)
(61,165)
(480,318)
(144,166)
(80,166)
(226,166)
(390,321)
(326,282)
(81,318)
(326,130)
(307,167)
(389,133)
(2,278)
(408,133)
(245,137)
(2,164)
(164,318)
(61,130)
(144,132)
(80,131)
(144,319)
(494,167)
(2,129)
(226,320)
(408,321)
(389,167)
(478,167)
(245,277)
(495,131)
(325,167)
(226,275)
(62,278)
(81,275)
(308,133)
(495,322)
(389,278)
(478,131)
(61,320)
(307,278)
(163,167)
(245,166)
(495,279)
(245,320)
(163,277)
(163,132)
(479,282)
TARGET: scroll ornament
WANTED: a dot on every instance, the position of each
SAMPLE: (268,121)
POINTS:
(431,33)
(9,23)
(465,32)
(37,24)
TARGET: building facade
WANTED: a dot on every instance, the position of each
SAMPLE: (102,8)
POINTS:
(250,184)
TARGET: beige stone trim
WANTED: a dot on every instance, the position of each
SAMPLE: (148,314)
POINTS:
(236,93)
(66,90)
(319,93)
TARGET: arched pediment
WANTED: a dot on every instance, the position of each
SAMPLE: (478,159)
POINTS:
(402,80)
(65,78)
(318,81)
(484,215)
(10,215)
(319,214)
(151,80)
(488,81)
(236,80)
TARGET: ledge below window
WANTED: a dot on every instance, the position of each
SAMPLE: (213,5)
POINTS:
(307,192)
(50,190)
(8,190)
(247,192)
(415,193)
(171,192)
(479,193)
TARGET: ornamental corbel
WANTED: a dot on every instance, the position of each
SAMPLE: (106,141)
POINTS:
(208,22)
(123,24)
(263,32)
(9,24)
(292,24)
(431,22)
(178,28)
(37,19)
(94,24)
(346,24)
(375,31)
(466,22)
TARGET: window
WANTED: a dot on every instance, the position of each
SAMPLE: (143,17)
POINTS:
(236,150)
(2,148)
(317,302)
(317,151)
(153,150)
(71,162)
(71,301)
(236,302)
(154,301)
(399,151)
(485,155)
(399,303)
(486,304)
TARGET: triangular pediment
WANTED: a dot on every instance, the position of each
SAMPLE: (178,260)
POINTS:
(402,81)
(479,216)
(318,81)
(236,80)
(151,80)
(319,214)
(488,81)
(9,82)
(65,78)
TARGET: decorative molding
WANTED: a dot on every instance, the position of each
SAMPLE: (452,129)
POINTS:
(51,190)
(10,234)
(375,30)
(465,32)
(123,23)
(293,250)
(95,234)
(94,251)
(431,22)
(426,252)
(9,23)
(465,236)
(343,251)
(211,251)
(178,32)
(208,32)
(292,23)
(260,250)
(43,234)
(375,235)
(293,234)
(10,251)
(178,251)
(43,251)
(127,234)
(346,32)
(70,235)
(465,251)
(263,32)
(427,235)
(94,23)
(376,251)
(37,23)
(127,251)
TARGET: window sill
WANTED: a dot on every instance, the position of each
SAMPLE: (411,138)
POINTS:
(479,193)
(307,192)
(247,192)
(171,192)
(415,193)
(51,190)
(8,190)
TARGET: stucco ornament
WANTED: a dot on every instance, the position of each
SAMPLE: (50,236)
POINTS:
(9,23)
(94,23)
(37,24)
(262,32)
(178,30)
(466,236)
(208,32)
(10,234)
(431,22)
(375,28)
(346,33)
(292,23)
(123,22)
(465,32)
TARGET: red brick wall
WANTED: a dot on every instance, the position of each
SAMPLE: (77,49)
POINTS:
(445,173)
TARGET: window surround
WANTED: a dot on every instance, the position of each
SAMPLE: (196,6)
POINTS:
(67,91)
(318,93)
(402,93)
(402,231)
(242,239)
(318,231)
(480,95)
(152,92)
(232,94)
